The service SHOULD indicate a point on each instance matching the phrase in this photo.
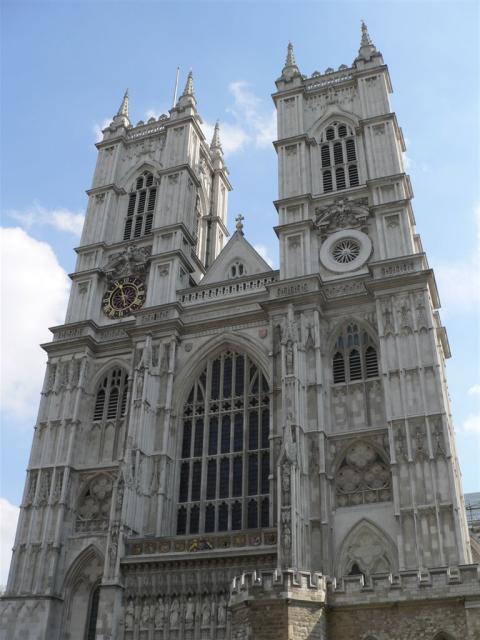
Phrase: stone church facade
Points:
(225, 451)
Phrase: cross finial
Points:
(239, 222)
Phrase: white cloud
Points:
(263, 251)
(472, 423)
(459, 281)
(475, 390)
(233, 137)
(98, 128)
(35, 292)
(8, 525)
(253, 122)
(60, 219)
(252, 111)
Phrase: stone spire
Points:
(123, 111)
(290, 70)
(188, 91)
(121, 119)
(187, 99)
(367, 48)
(290, 59)
(216, 143)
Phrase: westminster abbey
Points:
(229, 452)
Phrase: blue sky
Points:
(65, 66)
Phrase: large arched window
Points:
(355, 356)
(141, 207)
(225, 460)
(338, 157)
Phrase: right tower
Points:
(383, 478)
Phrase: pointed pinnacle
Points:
(216, 143)
(123, 111)
(188, 91)
(366, 39)
(290, 59)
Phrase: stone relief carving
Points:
(93, 511)
(132, 261)
(363, 476)
(44, 490)
(366, 552)
(32, 488)
(404, 314)
(387, 318)
(421, 312)
(342, 214)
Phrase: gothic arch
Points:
(226, 340)
(222, 452)
(333, 112)
(128, 180)
(369, 548)
(342, 323)
(82, 578)
(95, 380)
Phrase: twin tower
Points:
(227, 452)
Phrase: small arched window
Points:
(141, 207)
(237, 270)
(111, 398)
(338, 142)
(355, 356)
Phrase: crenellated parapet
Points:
(278, 604)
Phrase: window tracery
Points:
(108, 413)
(141, 207)
(225, 459)
(237, 270)
(363, 476)
(93, 509)
(338, 157)
(355, 356)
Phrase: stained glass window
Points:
(225, 446)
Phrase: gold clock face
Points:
(124, 296)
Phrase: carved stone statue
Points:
(222, 610)
(286, 530)
(159, 612)
(206, 611)
(286, 483)
(129, 615)
(190, 611)
(174, 612)
(145, 615)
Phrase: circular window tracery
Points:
(346, 250)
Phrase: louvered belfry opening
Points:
(141, 207)
(338, 145)
(355, 356)
(225, 457)
(111, 397)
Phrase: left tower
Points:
(156, 219)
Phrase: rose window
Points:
(346, 250)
